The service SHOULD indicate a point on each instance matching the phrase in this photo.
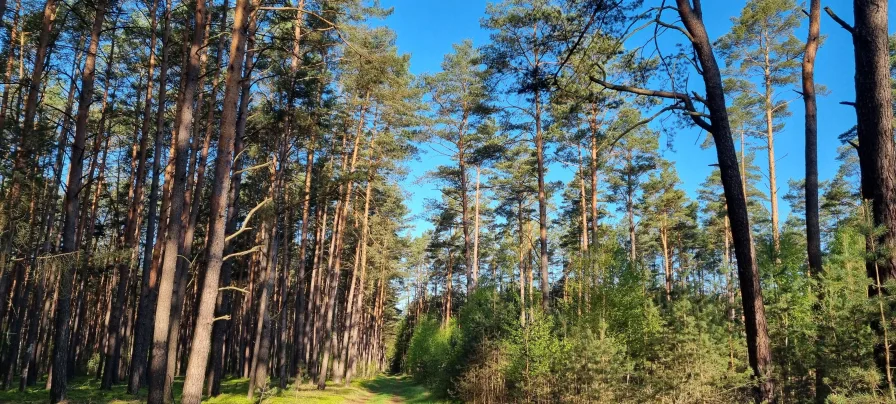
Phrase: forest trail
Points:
(380, 390)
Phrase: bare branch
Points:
(697, 117)
(840, 21)
(675, 27)
(234, 288)
(639, 124)
(253, 167)
(246, 220)
(237, 254)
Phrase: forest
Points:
(213, 201)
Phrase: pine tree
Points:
(763, 54)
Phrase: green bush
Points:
(429, 353)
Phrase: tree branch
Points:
(237, 254)
(684, 98)
(675, 27)
(246, 220)
(253, 167)
(639, 124)
(233, 288)
(840, 21)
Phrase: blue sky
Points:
(427, 29)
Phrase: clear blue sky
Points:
(426, 29)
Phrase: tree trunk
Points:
(594, 172)
(877, 153)
(335, 266)
(181, 140)
(223, 300)
(192, 392)
(356, 306)
(146, 309)
(476, 227)
(751, 292)
(73, 187)
(465, 207)
(542, 206)
(667, 264)
(522, 258)
(813, 228)
(770, 147)
(262, 347)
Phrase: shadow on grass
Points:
(382, 389)
(402, 388)
(80, 390)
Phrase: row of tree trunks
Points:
(155, 310)
(198, 360)
(73, 187)
(150, 279)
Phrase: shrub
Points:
(429, 352)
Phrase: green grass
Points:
(382, 389)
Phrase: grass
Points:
(381, 389)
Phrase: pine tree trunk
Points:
(813, 229)
(59, 385)
(476, 226)
(183, 121)
(751, 292)
(146, 309)
(877, 153)
(335, 267)
(465, 206)
(196, 367)
(223, 300)
(522, 264)
(356, 306)
(667, 264)
(770, 147)
(301, 337)
(594, 172)
(542, 206)
(262, 346)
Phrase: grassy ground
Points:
(382, 389)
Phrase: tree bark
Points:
(222, 301)
(192, 392)
(181, 141)
(476, 226)
(760, 357)
(150, 279)
(63, 305)
(877, 153)
(335, 267)
(542, 206)
(770, 147)
(813, 228)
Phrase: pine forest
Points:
(478, 201)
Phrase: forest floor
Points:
(382, 389)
